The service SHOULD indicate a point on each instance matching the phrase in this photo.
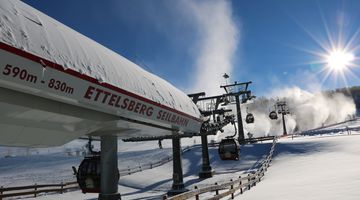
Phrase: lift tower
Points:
(283, 109)
(206, 170)
(236, 90)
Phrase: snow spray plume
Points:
(307, 111)
(219, 38)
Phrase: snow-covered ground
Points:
(306, 167)
(54, 165)
(148, 184)
(312, 168)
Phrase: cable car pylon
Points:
(236, 90)
(281, 108)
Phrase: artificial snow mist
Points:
(218, 41)
(307, 111)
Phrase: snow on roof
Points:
(30, 30)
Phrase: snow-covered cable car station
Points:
(57, 85)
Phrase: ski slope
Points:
(318, 168)
(306, 167)
(56, 167)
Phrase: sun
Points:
(339, 60)
(335, 50)
(339, 63)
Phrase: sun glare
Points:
(339, 60)
(336, 54)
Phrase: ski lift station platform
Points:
(57, 85)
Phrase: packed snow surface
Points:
(317, 168)
(55, 167)
(305, 167)
(30, 30)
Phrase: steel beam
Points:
(241, 136)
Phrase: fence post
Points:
(249, 182)
(266, 166)
(240, 185)
(217, 190)
(232, 187)
(1, 192)
(197, 195)
(129, 170)
(62, 187)
(35, 194)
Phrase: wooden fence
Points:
(35, 189)
(241, 184)
(133, 169)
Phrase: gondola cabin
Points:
(88, 174)
(249, 118)
(273, 115)
(229, 149)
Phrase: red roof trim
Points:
(74, 73)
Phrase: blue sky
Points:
(274, 43)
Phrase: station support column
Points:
(109, 169)
(178, 182)
(206, 170)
